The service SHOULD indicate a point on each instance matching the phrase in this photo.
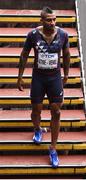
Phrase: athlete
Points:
(48, 42)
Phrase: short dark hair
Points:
(46, 10)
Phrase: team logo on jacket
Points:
(40, 47)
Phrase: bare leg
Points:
(36, 115)
(55, 123)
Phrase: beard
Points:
(49, 27)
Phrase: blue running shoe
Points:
(37, 138)
(53, 158)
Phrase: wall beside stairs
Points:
(36, 4)
(82, 19)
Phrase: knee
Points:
(55, 113)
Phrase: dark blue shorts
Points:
(50, 85)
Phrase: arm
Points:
(23, 59)
(66, 64)
(22, 64)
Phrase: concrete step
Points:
(20, 119)
(19, 34)
(27, 165)
(21, 142)
(31, 16)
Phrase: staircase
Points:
(19, 156)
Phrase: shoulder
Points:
(62, 31)
(32, 33)
(36, 30)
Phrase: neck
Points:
(48, 32)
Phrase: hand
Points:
(20, 84)
(65, 78)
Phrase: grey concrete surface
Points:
(82, 19)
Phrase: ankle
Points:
(37, 129)
(53, 148)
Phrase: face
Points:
(49, 21)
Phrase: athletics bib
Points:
(47, 60)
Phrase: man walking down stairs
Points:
(47, 41)
(19, 156)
